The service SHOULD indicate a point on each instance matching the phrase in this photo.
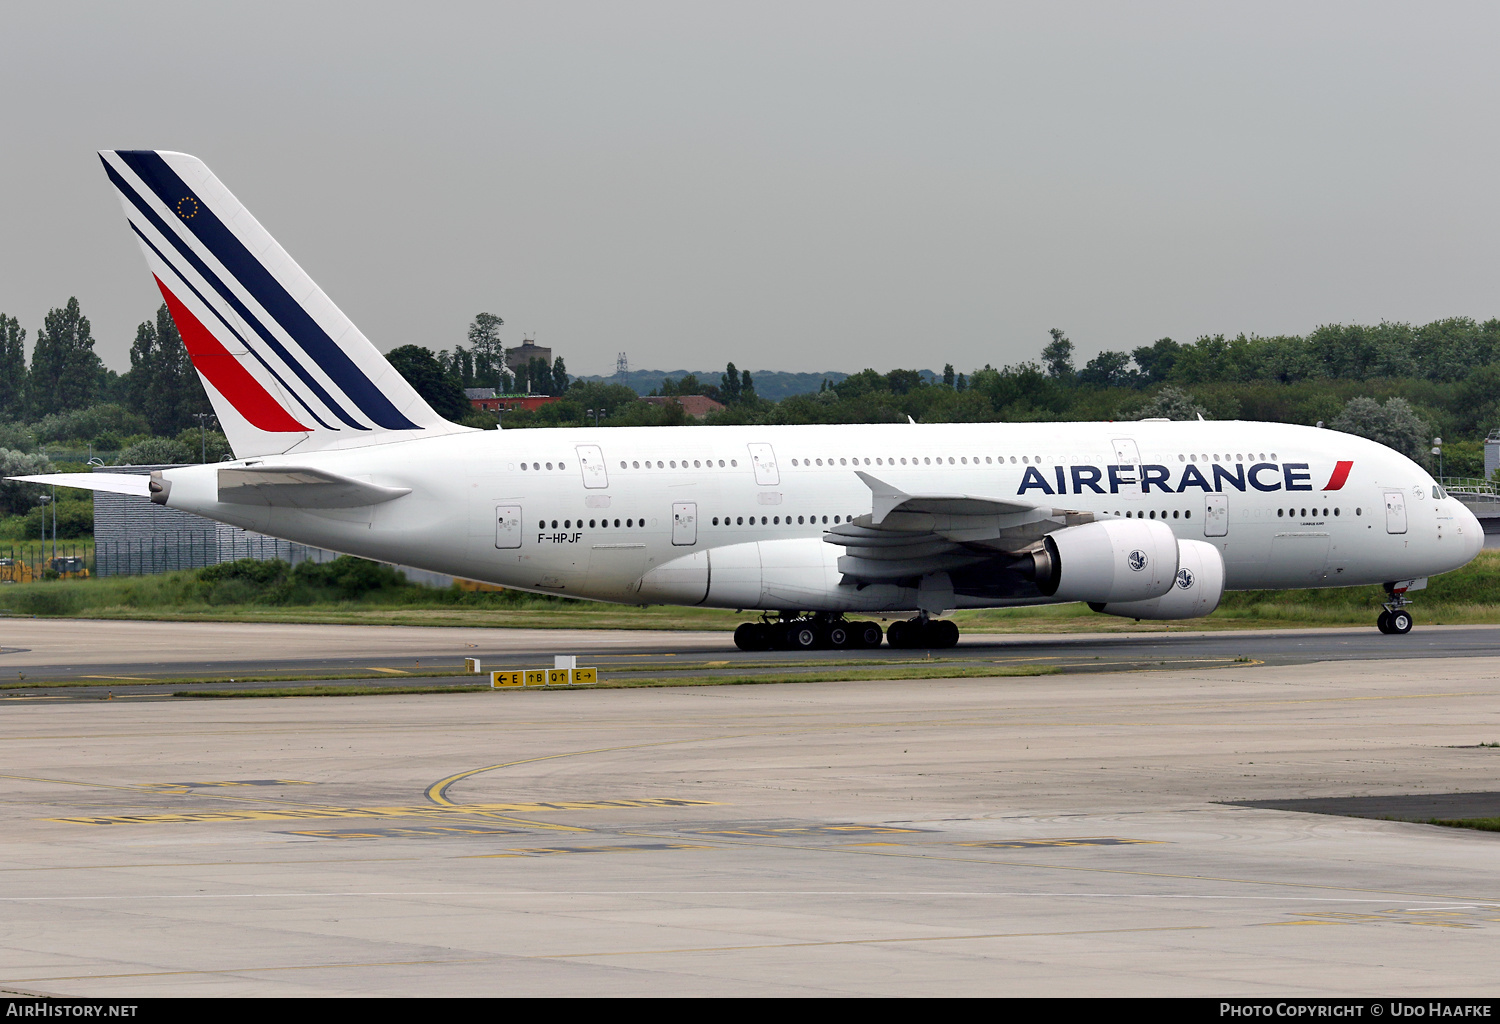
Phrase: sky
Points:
(792, 186)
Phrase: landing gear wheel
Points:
(801, 637)
(751, 636)
(1400, 621)
(942, 633)
(1383, 623)
(839, 635)
(868, 635)
(895, 634)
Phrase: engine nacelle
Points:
(1196, 592)
(800, 573)
(1107, 562)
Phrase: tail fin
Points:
(285, 369)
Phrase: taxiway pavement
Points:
(1077, 834)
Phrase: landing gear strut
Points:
(1395, 619)
(795, 631)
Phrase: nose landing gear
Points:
(1395, 619)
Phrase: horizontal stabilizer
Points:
(115, 483)
(299, 487)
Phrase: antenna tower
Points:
(622, 365)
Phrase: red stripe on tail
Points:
(226, 374)
(1340, 474)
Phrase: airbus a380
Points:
(817, 524)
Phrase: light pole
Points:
(44, 500)
(203, 418)
(1437, 449)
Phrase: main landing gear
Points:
(922, 632)
(1395, 619)
(795, 631)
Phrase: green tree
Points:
(15, 497)
(559, 376)
(1394, 424)
(747, 388)
(12, 368)
(157, 451)
(950, 379)
(1171, 403)
(65, 371)
(162, 384)
(487, 352)
(540, 376)
(729, 385)
(1057, 356)
(1108, 370)
(1155, 360)
(425, 374)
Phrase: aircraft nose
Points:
(1473, 533)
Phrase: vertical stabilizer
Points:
(285, 369)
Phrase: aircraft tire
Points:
(1401, 622)
(868, 635)
(801, 637)
(944, 633)
(750, 636)
(1383, 622)
(840, 634)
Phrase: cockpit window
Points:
(1438, 492)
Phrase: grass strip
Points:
(419, 674)
(924, 672)
(1483, 824)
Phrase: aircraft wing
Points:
(910, 535)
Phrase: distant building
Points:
(496, 401)
(696, 406)
(520, 357)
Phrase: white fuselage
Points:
(588, 512)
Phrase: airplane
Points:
(818, 525)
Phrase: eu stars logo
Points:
(187, 207)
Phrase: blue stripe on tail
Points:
(267, 291)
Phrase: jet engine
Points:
(1106, 562)
(1195, 592)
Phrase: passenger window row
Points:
(777, 520)
(1188, 514)
(603, 524)
(677, 464)
(1227, 458)
(926, 460)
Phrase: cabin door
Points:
(591, 462)
(1395, 512)
(1127, 454)
(684, 523)
(763, 458)
(1216, 516)
(507, 526)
